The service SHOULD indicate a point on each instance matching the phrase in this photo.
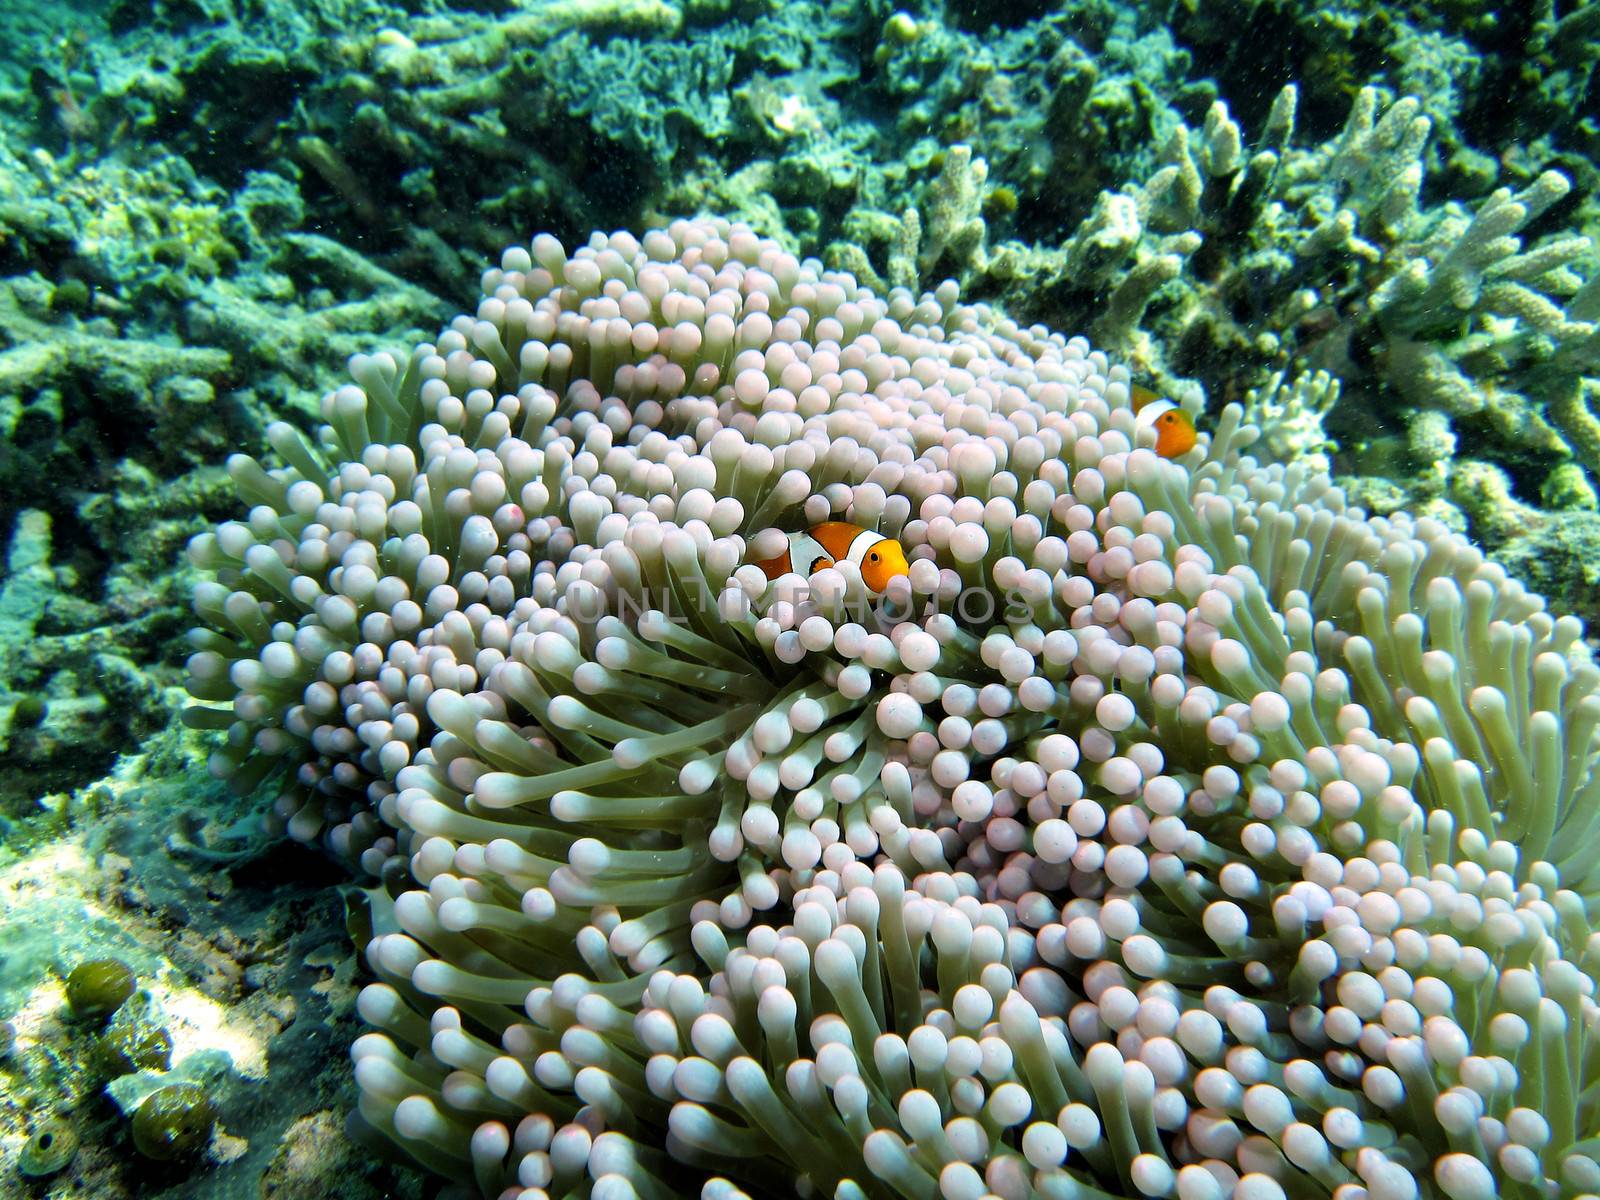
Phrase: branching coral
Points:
(1229, 263)
(1290, 414)
(1171, 828)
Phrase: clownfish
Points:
(1175, 431)
(879, 559)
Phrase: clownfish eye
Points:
(873, 557)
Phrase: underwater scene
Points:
(758, 600)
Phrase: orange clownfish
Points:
(1175, 431)
(879, 559)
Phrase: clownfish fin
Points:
(774, 568)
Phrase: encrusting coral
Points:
(1171, 828)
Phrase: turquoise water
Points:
(422, 688)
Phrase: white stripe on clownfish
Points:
(878, 558)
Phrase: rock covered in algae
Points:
(135, 1039)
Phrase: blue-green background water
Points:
(206, 206)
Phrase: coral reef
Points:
(113, 426)
(1525, 74)
(422, 139)
(245, 974)
(1169, 828)
(1227, 268)
(207, 208)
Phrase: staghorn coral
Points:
(1230, 264)
(1170, 828)
(132, 301)
(1489, 73)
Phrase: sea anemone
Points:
(1170, 828)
